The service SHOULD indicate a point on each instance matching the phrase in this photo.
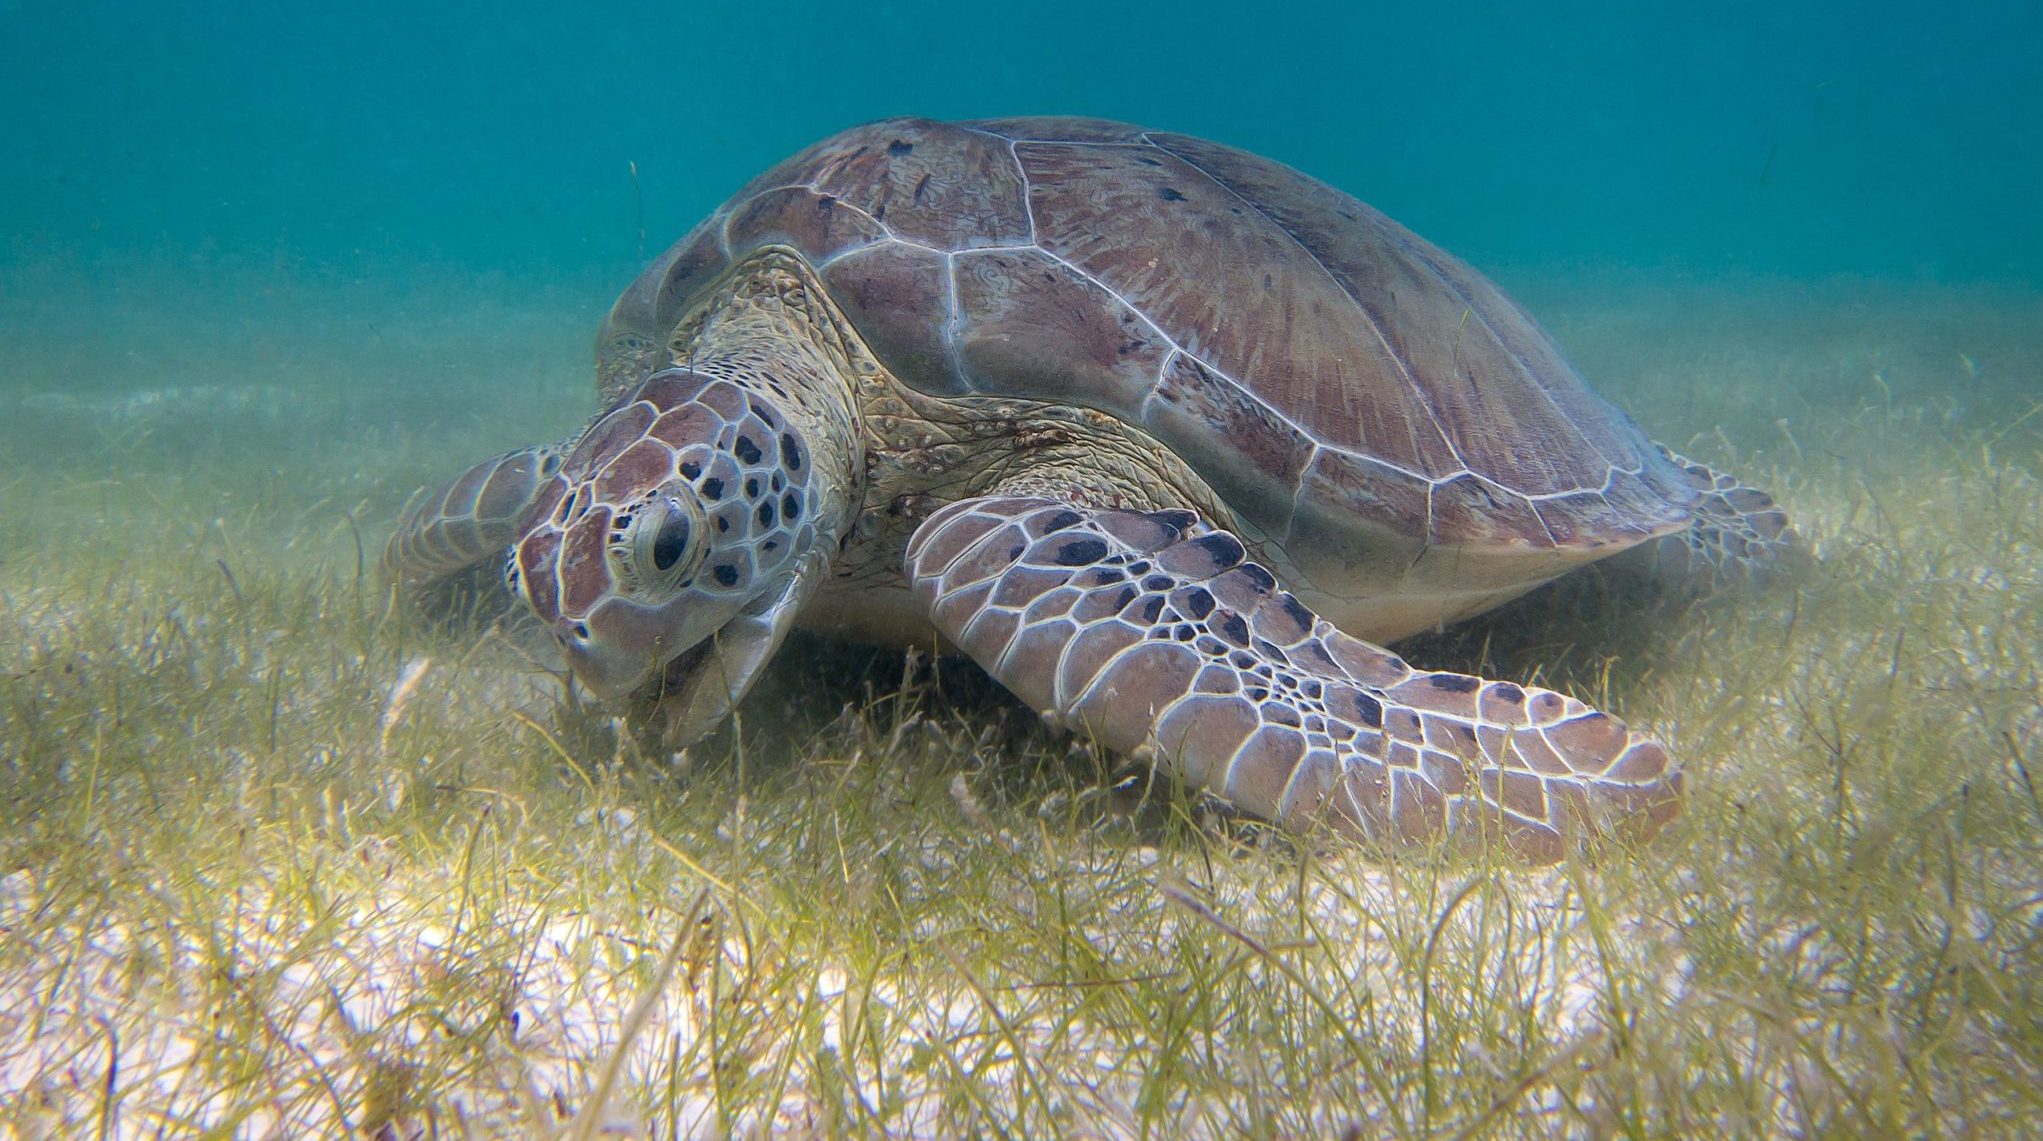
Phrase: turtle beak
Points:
(612, 672)
(701, 686)
(622, 645)
(623, 651)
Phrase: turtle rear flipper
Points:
(1736, 532)
(1154, 634)
(448, 550)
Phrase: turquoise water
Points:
(391, 229)
(265, 269)
(358, 142)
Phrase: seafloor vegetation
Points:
(274, 861)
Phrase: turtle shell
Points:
(1336, 378)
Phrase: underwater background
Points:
(266, 269)
(356, 144)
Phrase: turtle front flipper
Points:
(468, 524)
(1736, 531)
(1156, 635)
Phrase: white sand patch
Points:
(128, 1020)
(261, 400)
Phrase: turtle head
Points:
(679, 538)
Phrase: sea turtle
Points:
(1164, 435)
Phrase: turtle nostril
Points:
(581, 631)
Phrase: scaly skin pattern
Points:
(754, 431)
(1736, 529)
(1080, 584)
(1154, 634)
(469, 521)
(774, 432)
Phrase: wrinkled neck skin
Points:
(771, 330)
(756, 426)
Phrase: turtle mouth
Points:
(692, 692)
(615, 670)
(680, 680)
(683, 671)
(696, 689)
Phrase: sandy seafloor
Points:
(263, 423)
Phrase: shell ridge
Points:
(978, 129)
(1142, 408)
(1254, 398)
(731, 212)
(1427, 541)
(1165, 337)
(723, 227)
(1548, 527)
(878, 223)
(1612, 468)
(953, 314)
(1524, 366)
(1028, 187)
(1298, 493)
(1404, 368)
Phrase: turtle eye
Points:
(670, 540)
(656, 546)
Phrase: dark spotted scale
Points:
(1275, 710)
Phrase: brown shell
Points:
(1317, 363)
